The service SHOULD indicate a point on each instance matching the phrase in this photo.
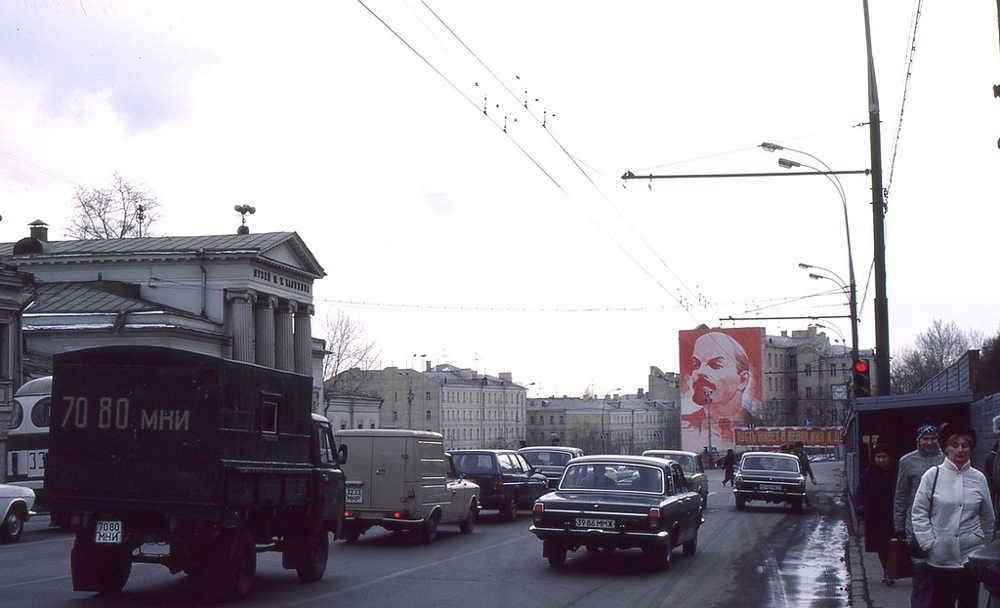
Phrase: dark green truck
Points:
(211, 459)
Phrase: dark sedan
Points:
(772, 477)
(550, 460)
(619, 502)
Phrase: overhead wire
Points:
(590, 181)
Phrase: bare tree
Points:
(121, 210)
(989, 366)
(349, 350)
(933, 351)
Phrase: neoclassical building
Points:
(471, 410)
(244, 296)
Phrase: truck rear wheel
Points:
(230, 572)
(105, 571)
(313, 562)
(113, 569)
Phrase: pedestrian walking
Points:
(912, 467)
(951, 517)
(876, 492)
(729, 466)
(799, 449)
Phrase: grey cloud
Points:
(141, 70)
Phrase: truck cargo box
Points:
(142, 425)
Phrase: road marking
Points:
(406, 572)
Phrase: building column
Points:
(264, 330)
(240, 303)
(303, 339)
(283, 337)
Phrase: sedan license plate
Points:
(108, 533)
(770, 486)
(586, 522)
(355, 495)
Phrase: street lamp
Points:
(604, 434)
(832, 177)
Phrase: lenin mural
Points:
(720, 385)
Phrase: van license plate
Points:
(108, 533)
(355, 495)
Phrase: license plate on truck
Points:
(355, 494)
(108, 533)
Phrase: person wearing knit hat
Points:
(876, 491)
(912, 467)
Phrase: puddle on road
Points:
(810, 573)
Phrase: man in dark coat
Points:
(876, 492)
(729, 466)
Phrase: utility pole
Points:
(878, 224)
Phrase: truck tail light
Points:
(497, 483)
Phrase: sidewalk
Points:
(866, 588)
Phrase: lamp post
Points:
(832, 177)
(604, 434)
(852, 302)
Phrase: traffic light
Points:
(862, 378)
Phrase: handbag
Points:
(898, 561)
(916, 552)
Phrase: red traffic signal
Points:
(862, 378)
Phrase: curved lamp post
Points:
(832, 177)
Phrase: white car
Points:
(16, 503)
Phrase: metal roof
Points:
(214, 246)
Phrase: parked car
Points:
(16, 503)
(402, 480)
(772, 477)
(694, 472)
(550, 460)
(506, 481)
(597, 507)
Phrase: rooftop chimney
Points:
(39, 230)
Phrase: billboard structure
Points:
(720, 386)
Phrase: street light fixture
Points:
(832, 177)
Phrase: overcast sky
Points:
(455, 165)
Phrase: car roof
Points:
(770, 454)
(481, 451)
(678, 452)
(616, 459)
(550, 448)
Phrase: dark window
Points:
(40, 412)
(269, 415)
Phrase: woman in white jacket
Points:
(952, 517)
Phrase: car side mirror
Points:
(342, 453)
